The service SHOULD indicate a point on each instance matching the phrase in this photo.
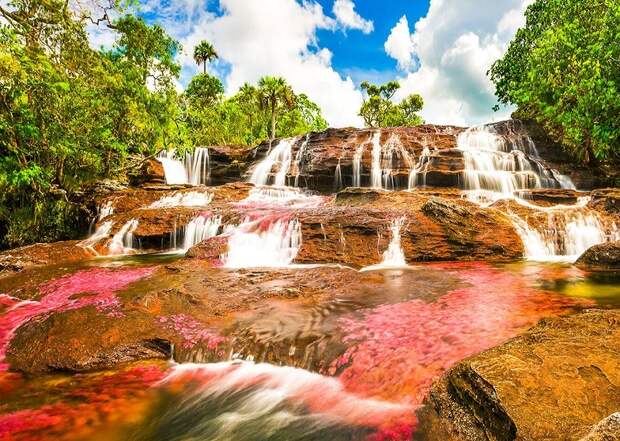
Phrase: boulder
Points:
(608, 429)
(601, 256)
(552, 383)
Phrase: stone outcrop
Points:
(601, 256)
(40, 254)
(552, 383)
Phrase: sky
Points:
(440, 49)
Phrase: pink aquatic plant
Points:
(98, 287)
(192, 331)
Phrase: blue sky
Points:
(440, 49)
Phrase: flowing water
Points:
(193, 170)
(383, 340)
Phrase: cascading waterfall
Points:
(501, 166)
(198, 166)
(564, 235)
(357, 166)
(174, 170)
(394, 256)
(299, 158)
(263, 243)
(376, 172)
(497, 167)
(101, 233)
(194, 170)
(417, 175)
(122, 241)
(338, 177)
(281, 197)
(281, 157)
(199, 229)
(189, 199)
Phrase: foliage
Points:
(378, 109)
(562, 70)
(204, 53)
(71, 115)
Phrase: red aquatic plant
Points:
(100, 285)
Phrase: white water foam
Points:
(188, 199)
(101, 233)
(290, 197)
(254, 244)
(199, 229)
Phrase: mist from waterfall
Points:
(263, 243)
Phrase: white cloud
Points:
(277, 37)
(455, 45)
(399, 45)
(344, 11)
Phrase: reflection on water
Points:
(371, 353)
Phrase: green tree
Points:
(275, 96)
(378, 109)
(204, 90)
(562, 70)
(204, 52)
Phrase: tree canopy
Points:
(71, 114)
(378, 109)
(563, 70)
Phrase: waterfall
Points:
(105, 210)
(195, 170)
(394, 256)
(198, 166)
(357, 166)
(101, 232)
(189, 199)
(376, 173)
(496, 166)
(199, 229)
(299, 158)
(254, 244)
(420, 170)
(174, 170)
(338, 177)
(564, 235)
(122, 241)
(280, 156)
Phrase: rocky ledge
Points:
(601, 256)
(555, 382)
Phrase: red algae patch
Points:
(396, 351)
(63, 294)
(85, 402)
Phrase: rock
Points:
(553, 382)
(39, 254)
(601, 256)
(152, 171)
(607, 429)
(58, 342)
(607, 199)
(551, 196)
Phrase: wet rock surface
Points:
(601, 256)
(39, 254)
(555, 381)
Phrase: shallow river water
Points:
(370, 352)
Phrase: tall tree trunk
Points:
(204, 66)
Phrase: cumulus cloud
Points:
(455, 44)
(348, 18)
(277, 37)
(399, 45)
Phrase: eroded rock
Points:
(601, 256)
(553, 382)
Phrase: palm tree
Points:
(248, 99)
(203, 53)
(275, 95)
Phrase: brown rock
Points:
(601, 256)
(552, 383)
(38, 254)
(607, 429)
